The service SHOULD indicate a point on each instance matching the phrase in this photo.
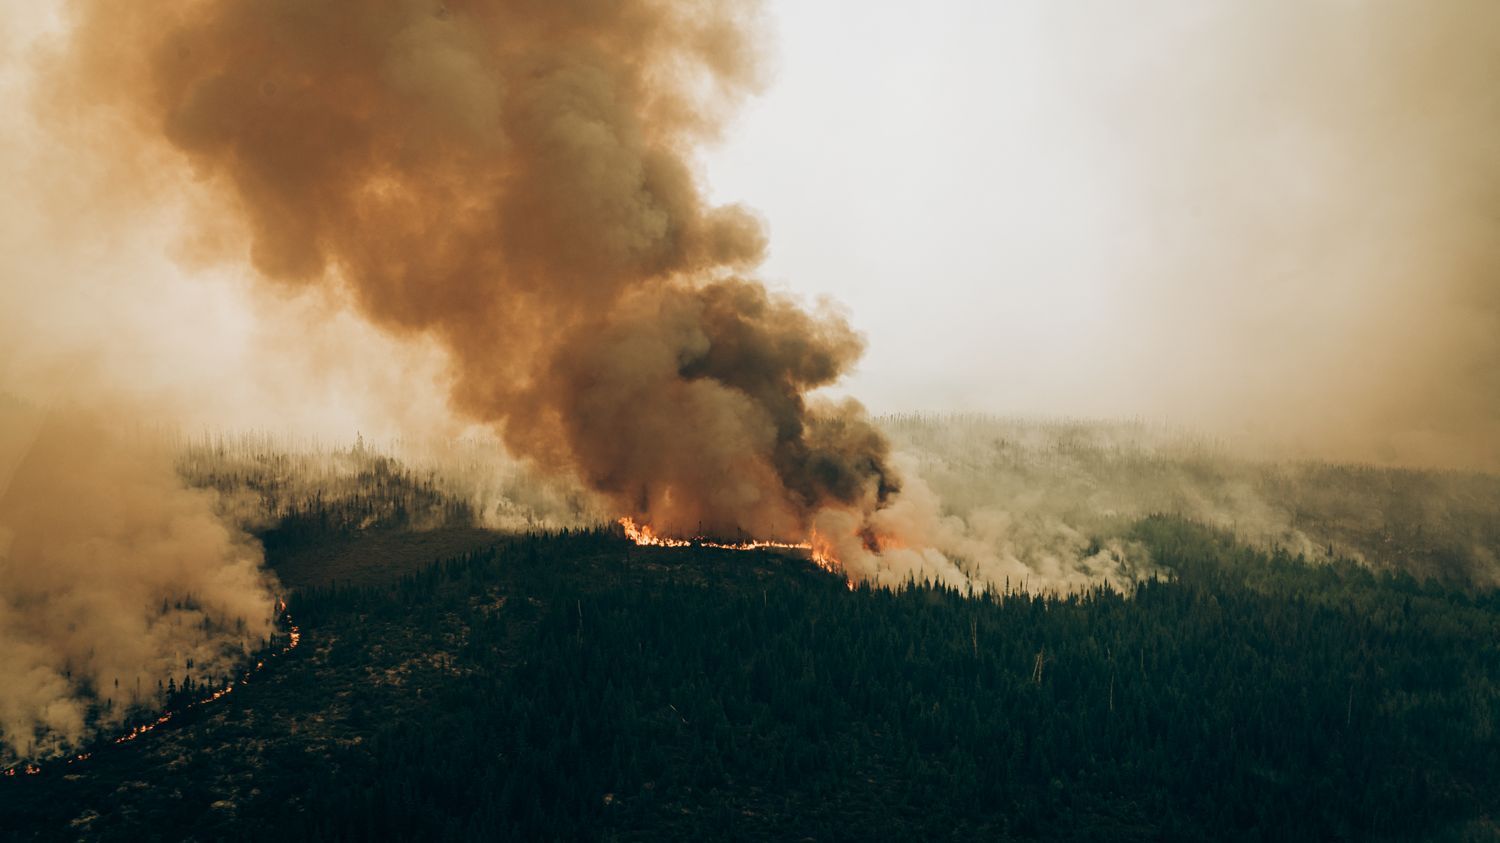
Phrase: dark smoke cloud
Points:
(514, 179)
(689, 404)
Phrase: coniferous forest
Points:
(574, 686)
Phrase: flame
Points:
(817, 549)
(644, 536)
(821, 552)
(294, 637)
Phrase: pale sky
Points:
(1215, 212)
(922, 170)
(1272, 218)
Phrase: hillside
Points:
(577, 686)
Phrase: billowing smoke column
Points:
(513, 178)
(687, 405)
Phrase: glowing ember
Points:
(644, 536)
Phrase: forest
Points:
(571, 685)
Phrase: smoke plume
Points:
(113, 577)
(513, 180)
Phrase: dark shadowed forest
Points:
(461, 683)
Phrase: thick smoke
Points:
(113, 577)
(688, 406)
(513, 180)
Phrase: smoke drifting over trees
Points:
(113, 577)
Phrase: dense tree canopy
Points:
(575, 686)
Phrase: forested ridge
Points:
(574, 686)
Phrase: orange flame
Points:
(294, 637)
(818, 550)
(644, 536)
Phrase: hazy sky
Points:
(1275, 216)
(919, 169)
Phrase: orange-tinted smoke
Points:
(514, 178)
